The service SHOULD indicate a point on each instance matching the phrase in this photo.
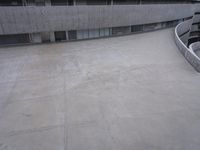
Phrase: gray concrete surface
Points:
(195, 47)
(133, 92)
(188, 53)
(30, 19)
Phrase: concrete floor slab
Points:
(30, 115)
(124, 93)
(31, 89)
(44, 139)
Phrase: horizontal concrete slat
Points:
(29, 19)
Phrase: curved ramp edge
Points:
(181, 36)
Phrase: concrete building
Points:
(41, 21)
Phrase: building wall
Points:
(33, 19)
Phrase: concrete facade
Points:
(33, 19)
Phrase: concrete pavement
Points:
(133, 92)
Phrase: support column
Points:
(47, 2)
(35, 38)
(24, 3)
(67, 37)
(30, 3)
(74, 2)
(111, 3)
(52, 37)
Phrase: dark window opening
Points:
(14, 39)
(136, 28)
(164, 2)
(60, 36)
(195, 33)
(70, 2)
(40, 2)
(193, 40)
(93, 2)
(11, 3)
(121, 30)
(125, 2)
(152, 26)
(59, 2)
(72, 35)
(171, 23)
(97, 2)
